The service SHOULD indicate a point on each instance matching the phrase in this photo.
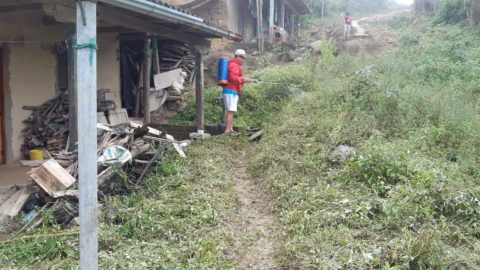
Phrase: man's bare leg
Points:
(229, 122)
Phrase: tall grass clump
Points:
(258, 103)
(408, 197)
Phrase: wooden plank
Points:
(14, 204)
(7, 206)
(122, 19)
(21, 200)
(7, 192)
(256, 135)
(17, 8)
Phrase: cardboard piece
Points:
(52, 177)
(166, 79)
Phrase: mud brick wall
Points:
(216, 12)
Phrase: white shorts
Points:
(230, 99)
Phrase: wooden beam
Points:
(115, 29)
(16, 8)
(282, 14)
(140, 36)
(121, 19)
(271, 23)
(260, 26)
(199, 91)
(292, 24)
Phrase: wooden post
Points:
(292, 24)
(138, 100)
(270, 21)
(282, 14)
(72, 89)
(87, 138)
(147, 65)
(156, 60)
(260, 25)
(199, 90)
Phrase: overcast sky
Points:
(404, 2)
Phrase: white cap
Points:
(240, 52)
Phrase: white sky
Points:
(404, 2)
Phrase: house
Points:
(241, 16)
(37, 57)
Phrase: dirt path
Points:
(257, 241)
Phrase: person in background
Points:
(348, 25)
(233, 89)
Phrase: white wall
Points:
(31, 69)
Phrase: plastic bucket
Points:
(36, 154)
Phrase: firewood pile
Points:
(48, 129)
(177, 55)
(47, 126)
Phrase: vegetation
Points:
(408, 198)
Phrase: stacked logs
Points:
(177, 55)
(47, 126)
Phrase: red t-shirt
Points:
(348, 20)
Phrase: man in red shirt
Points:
(233, 89)
(348, 25)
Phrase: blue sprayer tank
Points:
(223, 71)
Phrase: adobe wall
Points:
(233, 15)
(31, 69)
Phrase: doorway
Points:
(3, 150)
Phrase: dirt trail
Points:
(254, 225)
(258, 237)
(368, 38)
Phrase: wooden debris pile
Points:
(126, 152)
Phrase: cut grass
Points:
(175, 220)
